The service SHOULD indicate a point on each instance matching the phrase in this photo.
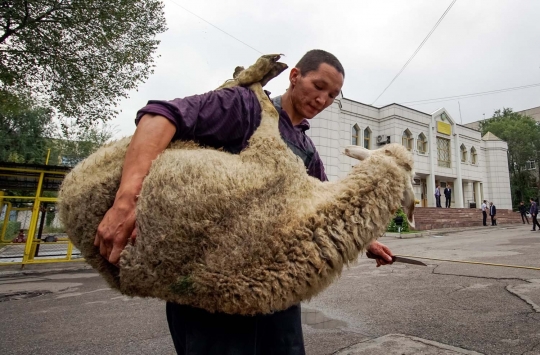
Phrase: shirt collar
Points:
(303, 126)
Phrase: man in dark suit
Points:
(534, 214)
(448, 195)
(493, 213)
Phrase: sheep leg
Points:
(269, 127)
(264, 69)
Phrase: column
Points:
(430, 181)
(458, 182)
(478, 194)
(457, 185)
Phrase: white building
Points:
(444, 152)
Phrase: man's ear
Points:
(293, 75)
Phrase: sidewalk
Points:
(35, 269)
(427, 233)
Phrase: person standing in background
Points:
(493, 213)
(438, 195)
(484, 213)
(534, 214)
(522, 211)
(448, 195)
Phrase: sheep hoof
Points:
(259, 70)
(277, 69)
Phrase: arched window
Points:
(367, 138)
(407, 139)
(463, 153)
(421, 143)
(474, 156)
(355, 132)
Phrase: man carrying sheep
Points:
(226, 119)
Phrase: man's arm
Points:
(215, 119)
(151, 137)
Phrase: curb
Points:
(427, 233)
(42, 269)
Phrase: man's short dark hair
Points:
(315, 57)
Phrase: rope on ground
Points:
(471, 262)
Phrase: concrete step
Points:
(439, 218)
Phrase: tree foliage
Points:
(522, 133)
(83, 56)
(23, 126)
(28, 133)
(76, 144)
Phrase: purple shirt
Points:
(226, 119)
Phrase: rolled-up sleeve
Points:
(218, 118)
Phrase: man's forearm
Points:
(151, 137)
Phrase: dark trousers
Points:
(484, 218)
(197, 332)
(535, 222)
(438, 200)
(493, 220)
(448, 202)
(524, 218)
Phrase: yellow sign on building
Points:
(444, 128)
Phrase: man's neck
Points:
(286, 104)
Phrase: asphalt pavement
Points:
(442, 308)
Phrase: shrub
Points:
(392, 227)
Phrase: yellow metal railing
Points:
(30, 255)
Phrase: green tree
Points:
(78, 143)
(24, 127)
(83, 56)
(28, 132)
(522, 133)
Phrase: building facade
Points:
(444, 152)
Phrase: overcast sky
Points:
(481, 45)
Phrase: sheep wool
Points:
(242, 234)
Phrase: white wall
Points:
(331, 131)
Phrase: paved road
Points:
(444, 308)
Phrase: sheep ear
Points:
(357, 152)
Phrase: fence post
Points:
(28, 255)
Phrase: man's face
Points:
(316, 90)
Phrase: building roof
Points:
(20, 176)
(490, 137)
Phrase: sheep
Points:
(246, 234)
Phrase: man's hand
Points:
(382, 251)
(116, 228)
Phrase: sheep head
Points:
(404, 161)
